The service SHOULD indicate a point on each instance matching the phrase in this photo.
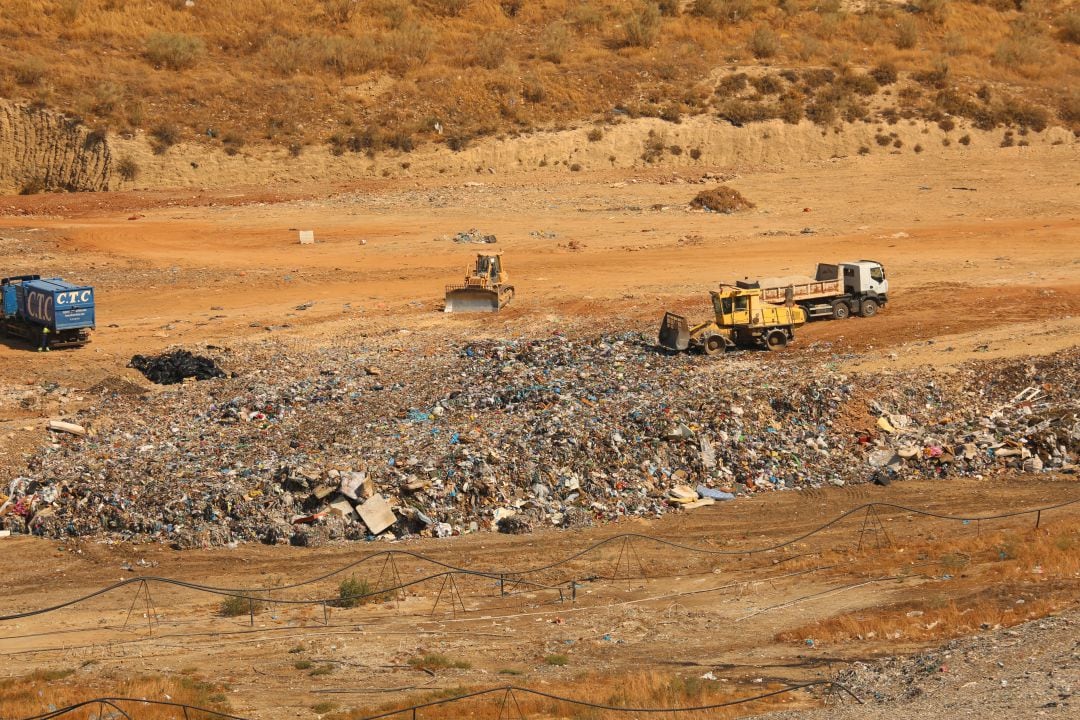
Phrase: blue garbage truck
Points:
(32, 304)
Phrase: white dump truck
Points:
(835, 291)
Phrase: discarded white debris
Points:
(66, 427)
(307, 237)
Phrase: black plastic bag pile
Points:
(174, 367)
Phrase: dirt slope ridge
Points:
(41, 149)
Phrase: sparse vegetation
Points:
(642, 26)
(557, 660)
(353, 592)
(127, 169)
(764, 43)
(174, 51)
(409, 56)
(235, 606)
(29, 71)
(435, 661)
(907, 33)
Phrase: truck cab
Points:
(865, 278)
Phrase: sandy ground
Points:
(983, 261)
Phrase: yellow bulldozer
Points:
(486, 288)
(743, 320)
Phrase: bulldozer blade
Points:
(472, 301)
(674, 332)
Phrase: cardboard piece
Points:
(376, 514)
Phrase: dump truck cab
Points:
(865, 278)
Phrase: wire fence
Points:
(506, 695)
(511, 580)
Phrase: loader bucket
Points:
(472, 300)
(674, 332)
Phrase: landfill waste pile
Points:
(472, 236)
(175, 367)
(306, 445)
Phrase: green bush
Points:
(353, 592)
(234, 606)
(174, 50)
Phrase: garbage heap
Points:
(306, 446)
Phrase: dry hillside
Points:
(368, 76)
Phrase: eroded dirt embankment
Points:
(44, 150)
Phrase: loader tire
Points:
(869, 308)
(776, 340)
(713, 344)
(841, 310)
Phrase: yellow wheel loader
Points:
(486, 287)
(743, 320)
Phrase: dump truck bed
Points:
(827, 283)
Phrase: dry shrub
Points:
(554, 42)
(445, 8)
(408, 46)
(790, 109)
(127, 169)
(396, 12)
(490, 50)
(907, 33)
(340, 11)
(768, 84)
(30, 71)
(721, 199)
(884, 73)
(174, 51)
(1069, 27)
(164, 137)
(739, 112)
(816, 77)
(641, 27)
(587, 17)
(669, 8)
(763, 43)
(935, 10)
(724, 11)
(1069, 108)
(732, 85)
(33, 186)
(859, 84)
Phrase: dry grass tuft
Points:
(997, 579)
(638, 690)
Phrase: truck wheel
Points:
(776, 340)
(713, 344)
(869, 308)
(840, 310)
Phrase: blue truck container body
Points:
(32, 304)
(56, 304)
